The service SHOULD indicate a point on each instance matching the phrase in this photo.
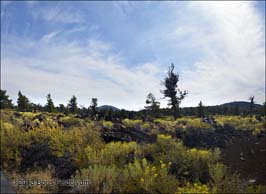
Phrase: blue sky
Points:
(120, 51)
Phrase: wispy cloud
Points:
(47, 37)
(57, 12)
(233, 64)
(89, 70)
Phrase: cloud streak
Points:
(233, 64)
(70, 68)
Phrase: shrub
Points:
(97, 179)
(11, 139)
(193, 189)
(191, 122)
(222, 181)
(114, 153)
(242, 123)
(252, 189)
(187, 164)
(132, 123)
(143, 178)
(107, 124)
(70, 121)
(145, 126)
(38, 182)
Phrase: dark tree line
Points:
(152, 108)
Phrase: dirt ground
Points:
(246, 155)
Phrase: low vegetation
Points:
(182, 159)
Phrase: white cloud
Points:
(56, 12)
(69, 68)
(232, 41)
(48, 37)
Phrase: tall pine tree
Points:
(200, 110)
(5, 102)
(173, 92)
(152, 105)
(93, 107)
(73, 105)
(50, 104)
(23, 102)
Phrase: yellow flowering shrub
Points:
(145, 126)
(107, 124)
(11, 138)
(243, 123)
(143, 177)
(222, 181)
(97, 179)
(29, 115)
(193, 189)
(131, 123)
(192, 122)
(113, 153)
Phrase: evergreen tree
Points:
(73, 105)
(225, 110)
(251, 105)
(123, 114)
(93, 107)
(50, 104)
(200, 110)
(61, 108)
(23, 102)
(37, 107)
(236, 110)
(109, 114)
(83, 111)
(152, 104)
(171, 90)
(5, 102)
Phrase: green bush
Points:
(69, 121)
(222, 181)
(193, 189)
(107, 124)
(97, 179)
(140, 177)
(11, 139)
(132, 123)
(114, 153)
(243, 123)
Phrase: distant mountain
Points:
(107, 107)
(240, 104)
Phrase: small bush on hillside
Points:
(144, 178)
(193, 189)
(70, 121)
(132, 123)
(107, 124)
(97, 179)
(114, 153)
(11, 139)
(222, 181)
(36, 181)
